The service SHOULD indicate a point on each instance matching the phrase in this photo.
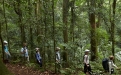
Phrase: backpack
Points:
(105, 64)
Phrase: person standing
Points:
(6, 52)
(38, 57)
(111, 65)
(24, 52)
(87, 67)
(57, 55)
(58, 65)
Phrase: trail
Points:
(18, 69)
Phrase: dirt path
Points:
(23, 70)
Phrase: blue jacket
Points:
(38, 57)
(6, 50)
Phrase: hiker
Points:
(87, 67)
(58, 65)
(111, 65)
(57, 55)
(6, 52)
(38, 57)
(24, 52)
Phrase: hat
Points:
(57, 48)
(5, 42)
(36, 49)
(87, 50)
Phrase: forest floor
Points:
(18, 69)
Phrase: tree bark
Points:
(38, 15)
(53, 22)
(1, 39)
(72, 20)
(113, 26)
(65, 28)
(30, 28)
(93, 41)
(6, 24)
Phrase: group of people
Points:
(87, 67)
(25, 54)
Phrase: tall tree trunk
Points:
(1, 39)
(45, 30)
(38, 16)
(113, 26)
(6, 24)
(5, 19)
(72, 20)
(45, 37)
(93, 42)
(30, 28)
(65, 29)
(53, 22)
(72, 5)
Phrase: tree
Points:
(91, 5)
(30, 27)
(112, 20)
(65, 26)
(53, 23)
(72, 20)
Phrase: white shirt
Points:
(111, 65)
(86, 59)
(24, 50)
(58, 56)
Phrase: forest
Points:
(71, 25)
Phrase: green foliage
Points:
(34, 66)
(63, 72)
(71, 71)
(102, 36)
(67, 71)
(81, 73)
